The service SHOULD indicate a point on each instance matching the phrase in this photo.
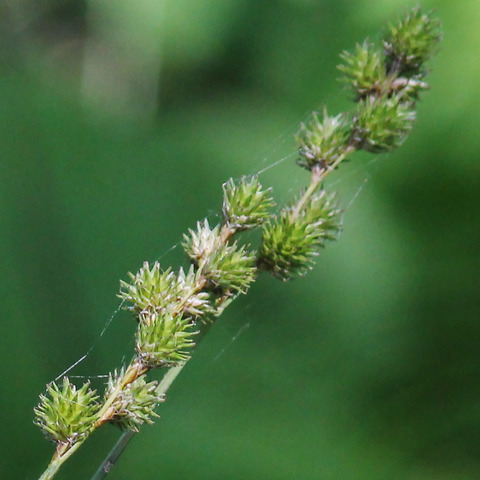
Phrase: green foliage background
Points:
(367, 368)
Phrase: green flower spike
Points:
(163, 340)
(171, 308)
(321, 143)
(152, 289)
(411, 42)
(66, 414)
(226, 267)
(232, 268)
(201, 244)
(245, 205)
(364, 70)
(135, 404)
(382, 124)
(290, 242)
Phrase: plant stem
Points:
(123, 441)
(58, 460)
(161, 389)
(315, 180)
(319, 173)
(114, 455)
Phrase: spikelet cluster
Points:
(65, 414)
(291, 241)
(171, 307)
(135, 404)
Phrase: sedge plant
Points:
(173, 309)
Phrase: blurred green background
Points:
(120, 120)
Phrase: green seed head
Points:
(321, 142)
(66, 414)
(412, 41)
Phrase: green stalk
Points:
(59, 459)
(319, 173)
(123, 441)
